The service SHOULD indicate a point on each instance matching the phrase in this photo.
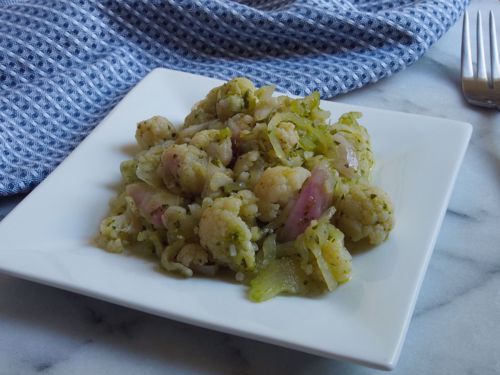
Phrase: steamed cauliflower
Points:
(255, 183)
(128, 171)
(218, 178)
(266, 102)
(204, 110)
(181, 223)
(216, 143)
(154, 131)
(224, 233)
(249, 209)
(240, 122)
(248, 168)
(323, 253)
(236, 96)
(184, 168)
(276, 187)
(120, 228)
(287, 135)
(365, 212)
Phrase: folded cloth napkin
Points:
(65, 64)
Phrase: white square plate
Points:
(47, 238)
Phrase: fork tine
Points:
(495, 65)
(481, 64)
(467, 71)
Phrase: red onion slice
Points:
(313, 200)
(149, 205)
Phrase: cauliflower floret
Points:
(284, 139)
(240, 122)
(323, 253)
(353, 138)
(287, 136)
(127, 170)
(216, 143)
(184, 169)
(276, 187)
(114, 233)
(365, 212)
(238, 95)
(204, 110)
(248, 168)
(181, 224)
(225, 235)
(154, 131)
(217, 178)
(144, 166)
(249, 209)
(120, 228)
(266, 103)
(187, 132)
(182, 227)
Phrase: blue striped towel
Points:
(65, 64)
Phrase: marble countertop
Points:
(455, 327)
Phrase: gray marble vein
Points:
(471, 275)
(455, 328)
(462, 215)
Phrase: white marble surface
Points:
(455, 328)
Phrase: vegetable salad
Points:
(254, 183)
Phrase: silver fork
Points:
(475, 86)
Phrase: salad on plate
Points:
(257, 184)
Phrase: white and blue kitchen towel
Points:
(65, 64)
